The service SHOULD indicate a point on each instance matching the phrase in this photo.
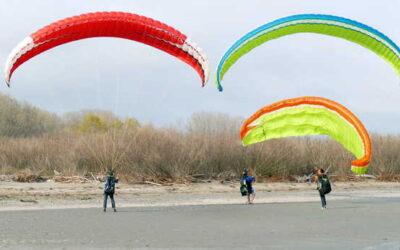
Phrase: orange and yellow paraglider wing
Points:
(310, 116)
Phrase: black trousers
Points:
(105, 200)
(323, 200)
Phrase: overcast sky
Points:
(133, 79)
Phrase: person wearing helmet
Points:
(249, 180)
(109, 190)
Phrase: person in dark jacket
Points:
(323, 186)
(109, 190)
(249, 184)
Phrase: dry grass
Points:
(37, 143)
(165, 155)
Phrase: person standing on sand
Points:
(249, 183)
(109, 190)
(323, 186)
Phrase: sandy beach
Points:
(56, 195)
(361, 215)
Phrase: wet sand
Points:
(356, 222)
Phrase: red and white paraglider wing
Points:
(109, 24)
(13, 58)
